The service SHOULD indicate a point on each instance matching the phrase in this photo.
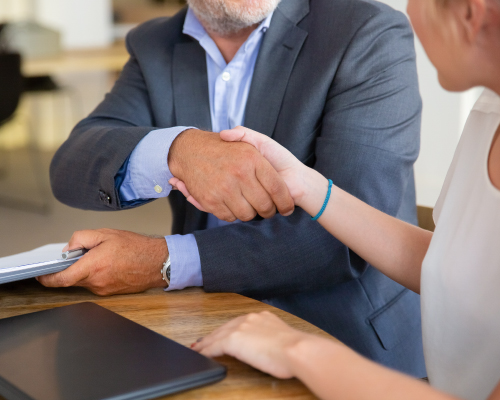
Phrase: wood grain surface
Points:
(183, 316)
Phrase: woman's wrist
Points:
(314, 188)
(299, 354)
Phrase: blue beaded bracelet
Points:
(330, 183)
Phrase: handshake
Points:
(249, 174)
(236, 174)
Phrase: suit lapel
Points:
(190, 86)
(278, 53)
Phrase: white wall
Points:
(15, 10)
(443, 118)
(83, 23)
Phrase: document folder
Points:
(42, 261)
(32, 270)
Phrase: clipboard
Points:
(41, 261)
(13, 274)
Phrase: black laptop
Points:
(85, 352)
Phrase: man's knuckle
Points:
(77, 235)
(240, 172)
(61, 281)
(266, 207)
(229, 217)
(210, 202)
(225, 188)
(275, 189)
(248, 216)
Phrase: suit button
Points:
(104, 197)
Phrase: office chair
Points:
(10, 92)
(11, 89)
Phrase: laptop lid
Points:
(84, 352)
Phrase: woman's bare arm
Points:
(330, 369)
(394, 247)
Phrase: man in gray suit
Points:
(334, 81)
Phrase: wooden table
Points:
(183, 316)
(111, 58)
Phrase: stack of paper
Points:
(41, 261)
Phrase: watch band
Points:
(165, 271)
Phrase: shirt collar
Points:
(194, 28)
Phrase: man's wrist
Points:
(177, 151)
(161, 255)
(165, 271)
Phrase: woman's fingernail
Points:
(194, 344)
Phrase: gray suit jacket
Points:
(335, 83)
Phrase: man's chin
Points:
(228, 17)
(223, 28)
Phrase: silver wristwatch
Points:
(165, 271)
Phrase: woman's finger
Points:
(181, 187)
(242, 134)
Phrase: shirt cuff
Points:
(147, 174)
(185, 263)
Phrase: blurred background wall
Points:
(87, 23)
(94, 29)
(443, 119)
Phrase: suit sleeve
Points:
(368, 144)
(83, 170)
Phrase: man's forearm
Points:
(147, 172)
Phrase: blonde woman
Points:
(456, 269)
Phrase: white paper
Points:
(49, 252)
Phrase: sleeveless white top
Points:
(460, 286)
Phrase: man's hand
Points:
(293, 172)
(230, 180)
(117, 262)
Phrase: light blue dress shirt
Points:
(146, 174)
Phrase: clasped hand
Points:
(230, 180)
(236, 181)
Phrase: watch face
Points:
(168, 272)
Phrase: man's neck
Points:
(229, 45)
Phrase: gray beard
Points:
(225, 18)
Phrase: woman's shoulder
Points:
(489, 101)
(494, 160)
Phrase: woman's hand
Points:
(262, 340)
(285, 163)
